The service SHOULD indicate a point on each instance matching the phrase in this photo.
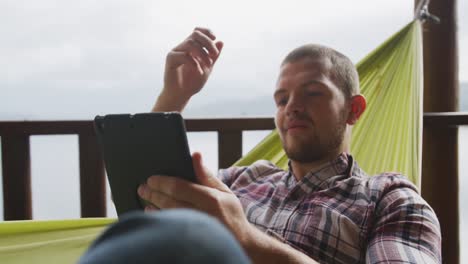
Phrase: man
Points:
(324, 208)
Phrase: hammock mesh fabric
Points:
(387, 138)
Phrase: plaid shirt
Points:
(338, 214)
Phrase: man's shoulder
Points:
(399, 205)
(380, 183)
(387, 181)
(394, 192)
(385, 186)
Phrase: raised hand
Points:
(188, 67)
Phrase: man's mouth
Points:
(296, 126)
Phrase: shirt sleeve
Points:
(229, 175)
(406, 230)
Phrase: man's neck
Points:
(300, 169)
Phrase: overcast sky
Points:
(63, 59)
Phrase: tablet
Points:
(135, 147)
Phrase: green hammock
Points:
(56, 241)
(387, 138)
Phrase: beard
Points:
(317, 146)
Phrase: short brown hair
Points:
(344, 71)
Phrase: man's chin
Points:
(304, 153)
(299, 137)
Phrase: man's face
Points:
(311, 110)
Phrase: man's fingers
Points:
(204, 176)
(206, 43)
(160, 199)
(177, 58)
(204, 40)
(164, 201)
(151, 208)
(176, 188)
(206, 31)
(194, 48)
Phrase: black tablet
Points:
(137, 146)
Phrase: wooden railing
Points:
(16, 161)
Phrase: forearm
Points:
(262, 248)
(168, 102)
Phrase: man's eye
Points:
(281, 102)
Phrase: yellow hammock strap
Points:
(388, 135)
(386, 138)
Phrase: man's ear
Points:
(358, 105)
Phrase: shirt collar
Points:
(324, 177)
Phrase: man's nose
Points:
(295, 104)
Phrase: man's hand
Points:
(188, 67)
(210, 195)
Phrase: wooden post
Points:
(229, 148)
(16, 163)
(440, 144)
(92, 177)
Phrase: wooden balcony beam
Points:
(16, 164)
